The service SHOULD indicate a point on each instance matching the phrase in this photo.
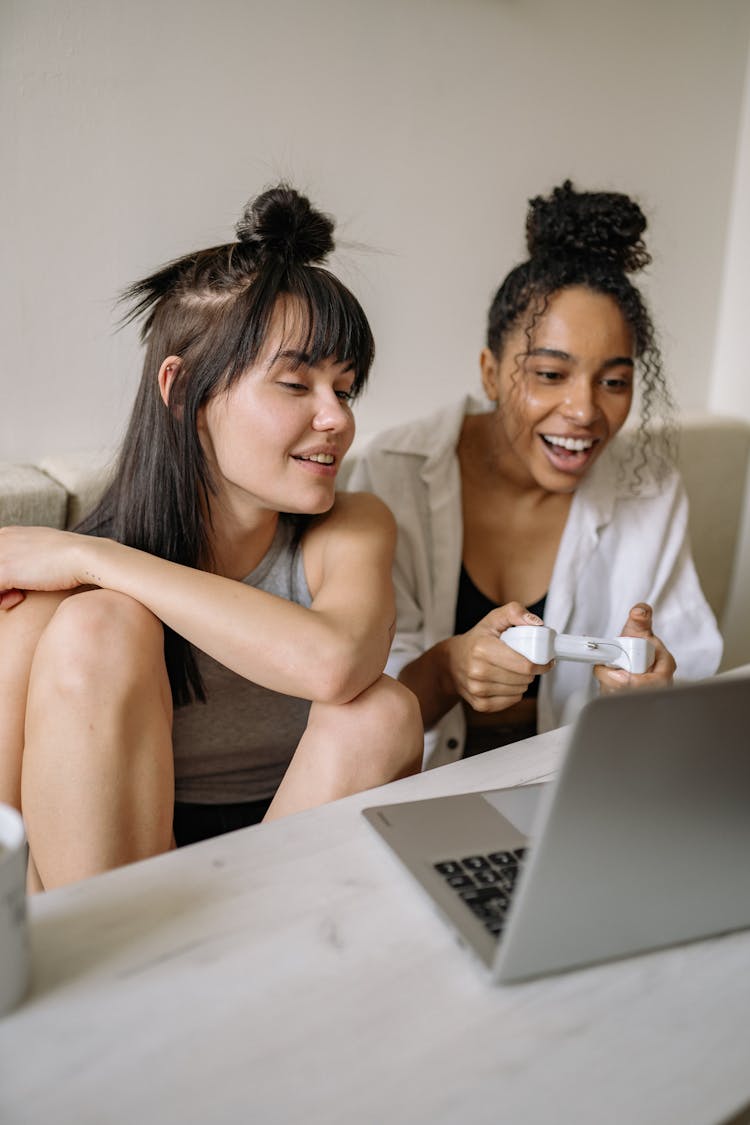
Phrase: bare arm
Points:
(329, 653)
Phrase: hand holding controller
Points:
(540, 644)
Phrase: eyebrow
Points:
(556, 353)
(299, 359)
(304, 359)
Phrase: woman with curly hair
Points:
(534, 510)
(207, 649)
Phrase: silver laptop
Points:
(641, 841)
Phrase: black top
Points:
(472, 605)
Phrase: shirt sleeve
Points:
(378, 472)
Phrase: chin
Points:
(559, 483)
(316, 507)
(569, 486)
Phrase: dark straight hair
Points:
(214, 309)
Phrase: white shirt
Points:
(619, 546)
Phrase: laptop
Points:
(641, 841)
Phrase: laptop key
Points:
(474, 862)
(449, 867)
(488, 889)
(489, 911)
(469, 894)
(460, 881)
(507, 881)
(478, 894)
(488, 876)
(502, 859)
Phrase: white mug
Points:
(14, 936)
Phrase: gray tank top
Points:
(237, 745)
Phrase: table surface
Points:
(293, 972)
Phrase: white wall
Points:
(134, 131)
(730, 391)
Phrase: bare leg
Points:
(20, 630)
(376, 738)
(98, 774)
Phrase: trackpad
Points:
(519, 805)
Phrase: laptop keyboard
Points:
(485, 883)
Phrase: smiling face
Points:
(276, 438)
(564, 395)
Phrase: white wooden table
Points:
(292, 973)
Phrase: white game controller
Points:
(540, 644)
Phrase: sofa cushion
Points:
(83, 476)
(29, 496)
(714, 455)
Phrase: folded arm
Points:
(327, 653)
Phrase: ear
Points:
(489, 365)
(168, 372)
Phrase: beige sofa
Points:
(714, 459)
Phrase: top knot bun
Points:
(281, 224)
(602, 225)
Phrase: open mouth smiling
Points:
(569, 444)
(569, 454)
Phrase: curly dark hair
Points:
(591, 239)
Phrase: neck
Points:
(489, 464)
(239, 543)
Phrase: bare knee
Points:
(380, 731)
(97, 637)
(97, 781)
(350, 747)
(402, 712)
(20, 631)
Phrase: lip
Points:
(572, 463)
(585, 435)
(316, 468)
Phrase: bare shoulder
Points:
(357, 510)
(358, 531)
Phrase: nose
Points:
(579, 403)
(332, 414)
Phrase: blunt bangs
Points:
(321, 320)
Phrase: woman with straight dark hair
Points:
(206, 650)
(533, 509)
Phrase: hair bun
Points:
(281, 224)
(604, 225)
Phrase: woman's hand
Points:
(661, 672)
(39, 558)
(11, 598)
(486, 673)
